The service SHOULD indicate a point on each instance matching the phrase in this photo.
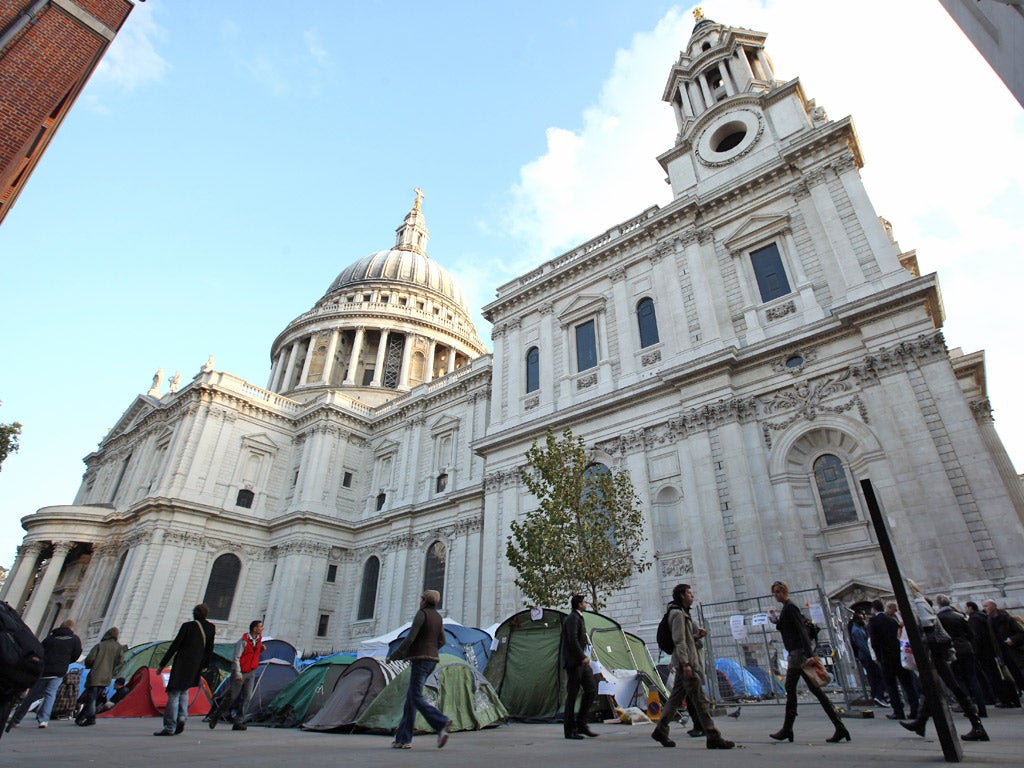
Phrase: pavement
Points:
(115, 742)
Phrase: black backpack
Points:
(664, 637)
(21, 653)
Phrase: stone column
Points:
(451, 359)
(44, 588)
(310, 351)
(704, 90)
(547, 356)
(762, 62)
(517, 372)
(696, 97)
(382, 358)
(741, 56)
(332, 350)
(723, 68)
(885, 254)
(431, 350)
(403, 373)
(625, 317)
(290, 368)
(353, 359)
(17, 580)
(834, 229)
(275, 371)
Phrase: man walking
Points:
(422, 648)
(61, 647)
(578, 674)
(884, 631)
(103, 659)
(688, 663)
(191, 651)
(244, 662)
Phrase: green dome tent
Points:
(525, 668)
(303, 697)
(455, 687)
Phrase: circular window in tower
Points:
(729, 137)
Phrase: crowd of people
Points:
(977, 653)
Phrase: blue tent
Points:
(766, 679)
(743, 683)
(468, 643)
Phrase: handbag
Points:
(815, 672)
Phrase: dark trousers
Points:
(578, 677)
(946, 676)
(794, 673)
(873, 673)
(966, 673)
(895, 675)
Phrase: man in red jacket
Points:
(246, 659)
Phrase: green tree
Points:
(586, 534)
(8, 440)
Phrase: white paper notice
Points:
(817, 614)
(739, 628)
(759, 620)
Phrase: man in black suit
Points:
(578, 674)
(884, 631)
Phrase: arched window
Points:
(245, 498)
(532, 369)
(220, 590)
(442, 482)
(433, 573)
(834, 490)
(648, 322)
(368, 590)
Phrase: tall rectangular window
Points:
(332, 573)
(321, 627)
(769, 272)
(586, 346)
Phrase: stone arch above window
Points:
(434, 568)
(368, 589)
(220, 590)
(821, 467)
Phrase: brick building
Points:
(48, 50)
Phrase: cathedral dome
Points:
(408, 267)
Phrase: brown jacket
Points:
(425, 638)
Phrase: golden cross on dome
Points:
(698, 13)
(419, 198)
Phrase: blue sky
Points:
(228, 159)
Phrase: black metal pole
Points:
(935, 702)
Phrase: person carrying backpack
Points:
(688, 663)
(61, 647)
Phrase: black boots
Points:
(786, 732)
(977, 732)
(917, 725)
(840, 734)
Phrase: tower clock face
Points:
(729, 137)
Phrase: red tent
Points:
(147, 697)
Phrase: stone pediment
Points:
(861, 591)
(260, 440)
(755, 230)
(138, 410)
(384, 447)
(582, 306)
(444, 424)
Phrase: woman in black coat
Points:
(797, 642)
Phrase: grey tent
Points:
(360, 684)
(271, 677)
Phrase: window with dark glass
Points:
(433, 574)
(769, 273)
(368, 590)
(532, 369)
(332, 573)
(220, 590)
(442, 482)
(346, 481)
(321, 627)
(245, 498)
(648, 322)
(381, 498)
(834, 490)
(586, 346)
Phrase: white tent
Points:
(377, 647)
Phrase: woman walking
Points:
(790, 623)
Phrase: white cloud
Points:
(132, 59)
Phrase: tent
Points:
(151, 654)
(524, 667)
(147, 697)
(456, 687)
(357, 686)
(271, 676)
(468, 643)
(743, 683)
(379, 647)
(303, 696)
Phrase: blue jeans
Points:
(420, 670)
(45, 688)
(176, 710)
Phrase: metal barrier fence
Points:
(746, 653)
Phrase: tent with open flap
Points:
(147, 697)
(303, 697)
(358, 685)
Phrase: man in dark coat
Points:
(191, 651)
(578, 673)
(884, 631)
(61, 647)
(1008, 645)
(984, 653)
